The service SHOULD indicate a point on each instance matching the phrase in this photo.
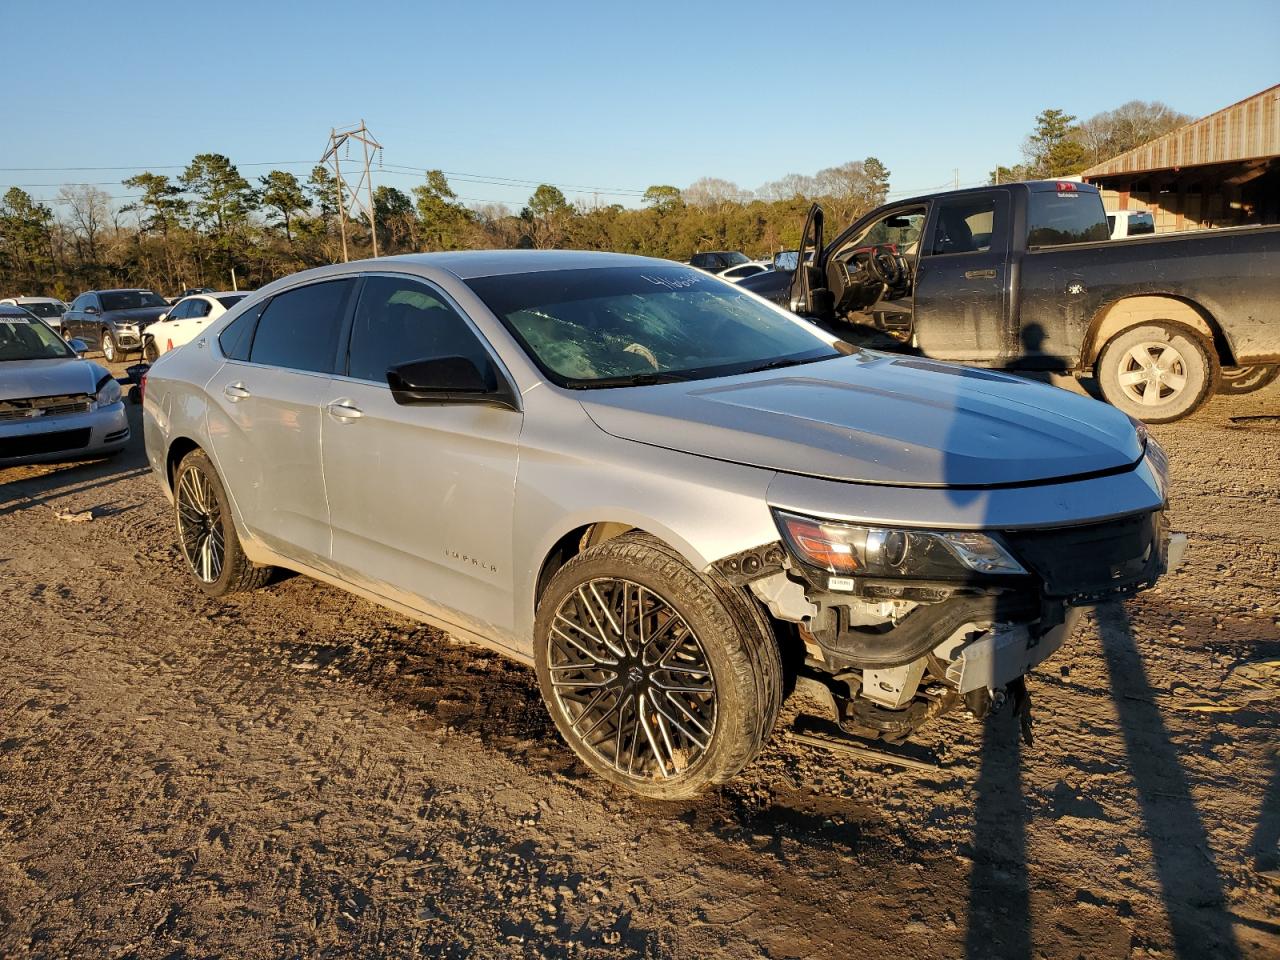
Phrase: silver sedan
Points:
(674, 499)
(53, 404)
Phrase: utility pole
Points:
(356, 205)
(957, 177)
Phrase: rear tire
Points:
(207, 535)
(662, 680)
(1157, 372)
(150, 352)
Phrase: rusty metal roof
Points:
(1247, 130)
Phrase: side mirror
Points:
(450, 380)
(164, 316)
(79, 346)
(91, 310)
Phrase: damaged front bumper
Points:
(892, 654)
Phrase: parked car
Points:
(185, 320)
(54, 405)
(48, 309)
(1025, 276)
(744, 270)
(190, 292)
(1130, 223)
(672, 498)
(717, 261)
(113, 320)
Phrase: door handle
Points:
(979, 274)
(236, 391)
(344, 410)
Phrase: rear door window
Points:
(966, 225)
(198, 308)
(398, 320)
(299, 329)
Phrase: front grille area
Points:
(1095, 562)
(29, 408)
(34, 444)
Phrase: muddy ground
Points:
(299, 773)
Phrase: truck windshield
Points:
(23, 339)
(1057, 217)
(623, 326)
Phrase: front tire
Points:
(207, 533)
(662, 680)
(109, 349)
(1157, 372)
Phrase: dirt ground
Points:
(297, 773)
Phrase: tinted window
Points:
(235, 338)
(299, 328)
(1141, 223)
(180, 312)
(198, 308)
(1058, 217)
(231, 301)
(1111, 222)
(400, 320)
(622, 326)
(964, 226)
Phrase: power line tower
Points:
(350, 204)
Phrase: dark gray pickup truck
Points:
(1024, 276)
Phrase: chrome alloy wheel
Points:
(632, 679)
(1152, 372)
(200, 525)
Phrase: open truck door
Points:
(809, 294)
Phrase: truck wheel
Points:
(207, 533)
(109, 350)
(1157, 372)
(1237, 381)
(662, 680)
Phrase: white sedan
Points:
(48, 309)
(184, 322)
(744, 270)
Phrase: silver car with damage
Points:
(677, 501)
(54, 405)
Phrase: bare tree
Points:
(89, 213)
(713, 192)
(1112, 132)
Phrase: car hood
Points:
(20, 379)
(137, 315)
(875, 418)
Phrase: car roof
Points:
(472, 264)
(33, 299)
(123, 290)
(9, 310)
(219, 293)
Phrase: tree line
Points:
(199, 227)
(1062, 145)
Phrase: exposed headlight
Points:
(861, 551)
(108, 392)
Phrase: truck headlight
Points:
(854, 550)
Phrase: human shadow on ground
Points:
(1190, 883)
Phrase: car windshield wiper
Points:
(783, 362)
(628, 380)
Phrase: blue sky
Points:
(614, 96)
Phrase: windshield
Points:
(29, 339)
(130, 300)
(50, 311)
(634, 325)
(231, 301)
